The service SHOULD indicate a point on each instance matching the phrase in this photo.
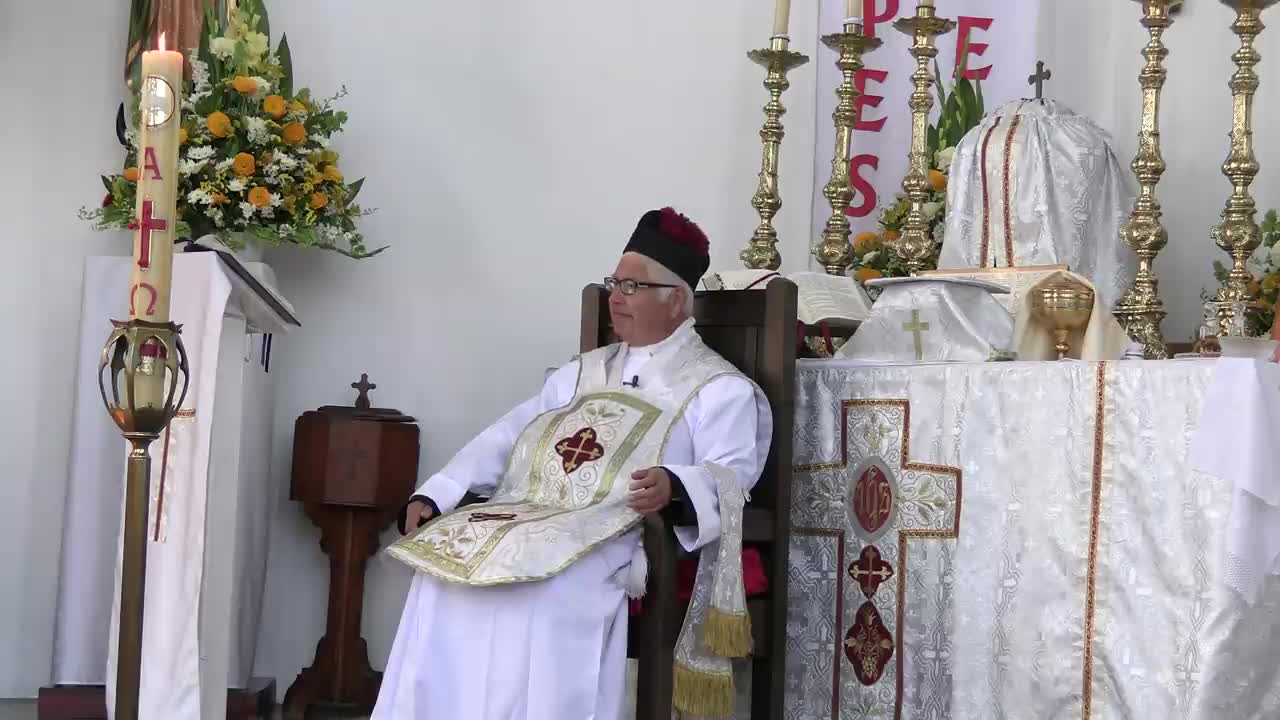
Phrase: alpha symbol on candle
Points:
(158, 101)
(149, 163)
(148, 223)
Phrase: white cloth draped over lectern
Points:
(1036, 184)
(926, 319)
(210, 500)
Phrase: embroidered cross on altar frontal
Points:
(896, 508)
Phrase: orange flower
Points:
(333, 173)
(244, 85)
(220, 199)
(244, 164)
(294, 133)
(219, 124)
(131, 174)
(890, 235)
(864, 274)
(259, 197)
(274, 106)
(182, 136)
(937, 180)
(319, 200)
(866, 241)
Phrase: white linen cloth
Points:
(1103, 338)
(931, 321)
(1086, 579)
(1036, 184)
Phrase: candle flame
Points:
(161, 42)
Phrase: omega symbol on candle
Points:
(158, 101)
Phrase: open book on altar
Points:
(837, 300)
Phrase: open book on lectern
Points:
(837, 300)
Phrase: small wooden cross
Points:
(1038, 79)
(364, 386)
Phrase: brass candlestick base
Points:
(834, 252)
(915, 246)
(1066, 306)
(762, 252)
(1238, 234)
(145, 361)
(1141, 310)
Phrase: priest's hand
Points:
(650, 490)
(415, 515)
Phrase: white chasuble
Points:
(518, 610)
(1036, 184)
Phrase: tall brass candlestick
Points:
(762, 252)
(915, 245)
(1141, 310)
(834, 252)
(1238, 233)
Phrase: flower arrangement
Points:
(1265, 267)
(962, 110)
(254, 159)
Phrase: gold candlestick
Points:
(1238, 233)
(762, 252)
(1141, 310)
(138, 353)
(834, 252)
(915, 245)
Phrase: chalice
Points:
(1066, 306)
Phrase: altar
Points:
(1028, 540)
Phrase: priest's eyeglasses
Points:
(629, 287)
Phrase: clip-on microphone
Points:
(635, 381)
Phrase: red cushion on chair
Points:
(754, 578)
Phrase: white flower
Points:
(256, 44)
(190, 167)
(264, 87)
(870, 257)
(1274, 256)
(321, 140)
(223, 47)
(216, 214)
(224, 165)
(276, 200)
(257, 130)
(285, 230)
(236, 185)
(200, 152)
(267, 212)
(284, 160)
(944, 157)
(247, 209)
(199, 197)
(931, 209)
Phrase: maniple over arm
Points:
(731, 425)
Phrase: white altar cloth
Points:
(1019, 540)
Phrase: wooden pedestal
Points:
(353, 468)
(340, 673)
(89, 702)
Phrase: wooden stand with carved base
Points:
(89, 702)
(353, 469)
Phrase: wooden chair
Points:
(756, 331)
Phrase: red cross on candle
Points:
(149, 223)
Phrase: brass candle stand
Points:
(915, 245)
(777, 60)
(145, 360)
(834, 252)
(1238, 234)
(1141, 310)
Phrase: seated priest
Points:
(518, 608)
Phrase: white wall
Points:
(60, 76)
(511, 147)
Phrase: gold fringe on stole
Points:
(702, 694)
(727, 634)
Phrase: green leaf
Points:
(106, 181)
(211, 30)
(286, 66)
(933, 143)
(353, 190)
(942, 92)
(264, 25)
